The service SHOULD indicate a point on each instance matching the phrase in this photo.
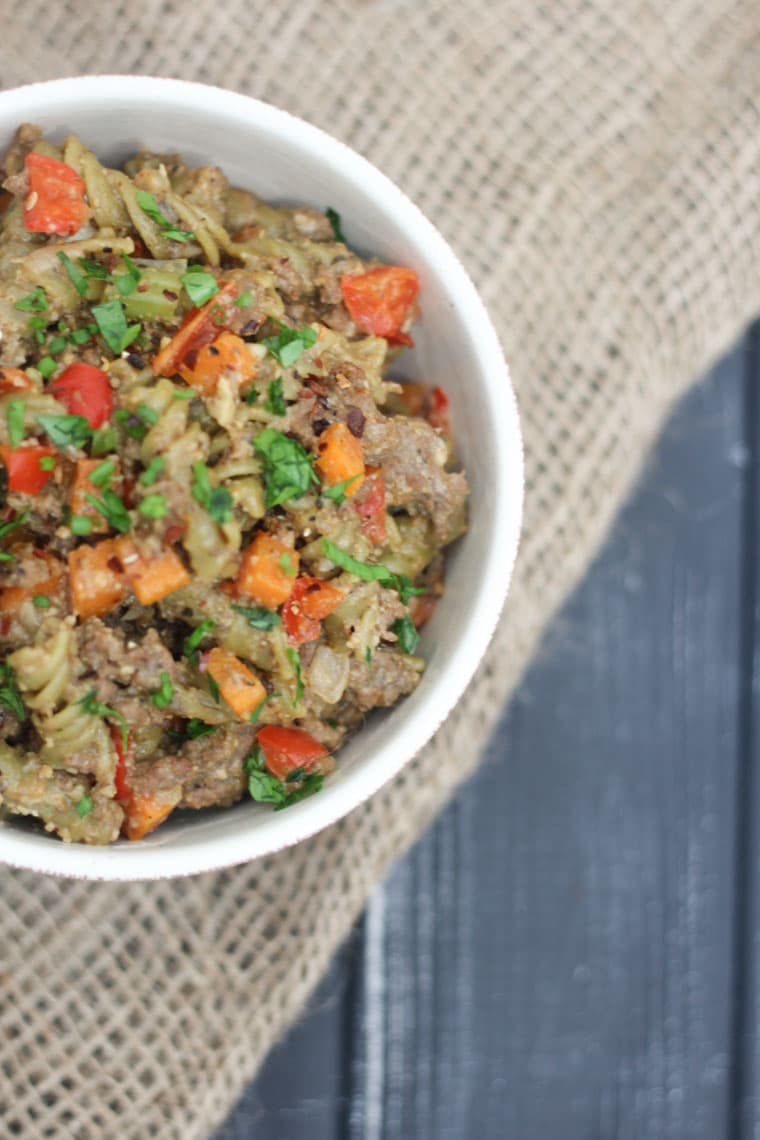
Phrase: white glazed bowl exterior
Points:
(290, 161)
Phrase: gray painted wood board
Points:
(569, 953)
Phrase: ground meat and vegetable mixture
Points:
(221, 525)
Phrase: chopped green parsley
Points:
(216, 500)
(288, 470)
(289, 343)
(149, 206)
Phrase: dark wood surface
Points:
(571, 953)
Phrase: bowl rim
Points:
(363, 779)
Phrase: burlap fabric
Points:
(596, 163)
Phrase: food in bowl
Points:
(223, 523)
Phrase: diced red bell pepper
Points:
(310, 601)
(85, 391)
(286, 749)
(381, 299)
(23, 467)
(55, 203)
(370, 503)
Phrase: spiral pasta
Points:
(45, 674)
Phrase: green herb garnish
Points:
(289, 343)
(163, 697)
(149, 206)
(285, 562)
(14, 416)
(127, 282)
(147, 414)
(245, 299)
(47, 463)
(406, 633)
(196, 637)
(333, 218)
(104, 440)
(264, 788)
(370, 572)
(103, 473)
(275, 401)
(337, 493)
(152, 471)
(46, 366)
(77, 278)
(10, 697)
(113, 327)
(196, 728)
(153, 506)
(200, 285)
(309, 787)
(90, 704)
(56, 345)
(213, 688)
(258, 617)
(295, 661)
(130, 423)
(37, 324)
(34, 302)
(84, 806)
(7, 527)
(112, 509)
(216, 500)
(94, 269)
(41, 601)
(288, 470)
(66, 431)
(80, 525)
(259, 709)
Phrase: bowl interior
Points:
(288, 161)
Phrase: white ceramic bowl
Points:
(290, 161)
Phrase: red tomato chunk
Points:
(286, 749)
(85, 390)
(23, 467)
(55, 203)
(380, 300)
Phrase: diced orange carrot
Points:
(151, 578)
(143, 813)
(268, 570)
(199, 328)
(228, 353)
(80, 488)
(340, 458)
(240, 687)
(94, 579)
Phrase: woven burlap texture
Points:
(596, 163)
